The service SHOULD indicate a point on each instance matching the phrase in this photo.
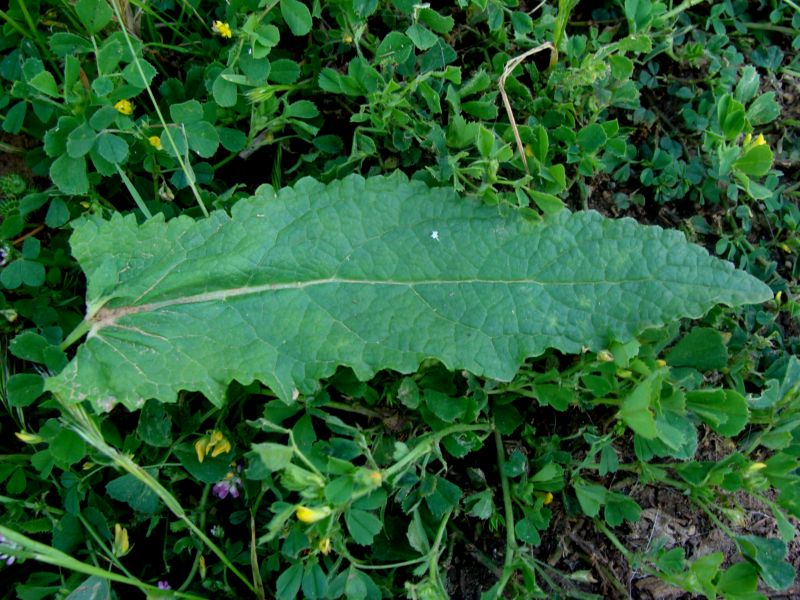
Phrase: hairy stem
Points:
(508, 510)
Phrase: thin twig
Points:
(22, 238)
(512, 64)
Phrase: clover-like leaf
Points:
(376, 273)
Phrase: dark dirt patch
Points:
(12, 155)
(474, 566)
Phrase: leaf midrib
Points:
(108, 316)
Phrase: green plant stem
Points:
(13, 23)
(705, 508)
(166, 22)
(36, 37)
(186, 171)
(685, 5)
(76, 334)
(353, 408)
(478, 554)
(771, 27)
(134, 193)
(601, 526)
(431, 556)
(258, 583)
(101, 543)
(541, 567)
(8, 148)
(426, 444)
(264, 423)
(397, 565)
(46, 554)
(196, 563)
(84, 426)
(562, 18)
(508, 511)
(435, 552)
(31, 505)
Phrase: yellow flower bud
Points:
(29, 438)
(213, 444)
(121, 542)
(605, 356)
(155, 142)
(221, 447)
(661, 363)
(759, 141)
(324, 545)
(201, 447)
(548, 498)
(311, 515)
(347, 38)
(124, 107)
(222, 29)
(756, 466)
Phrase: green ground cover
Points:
(302, 299)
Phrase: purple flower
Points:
(8, 559)
(164, 585)
(229, 485)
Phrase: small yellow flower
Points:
(222, 29)
(214, 443)
(759, 141)
(528, 150)
(548, 498)
(221, 447)
(311, 515)
(124, 107)
(121, 542)
(347, 38)
(324, 545)
(200, 448)
(155, 142)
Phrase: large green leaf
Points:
(376, 273)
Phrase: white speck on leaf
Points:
(435, 235)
